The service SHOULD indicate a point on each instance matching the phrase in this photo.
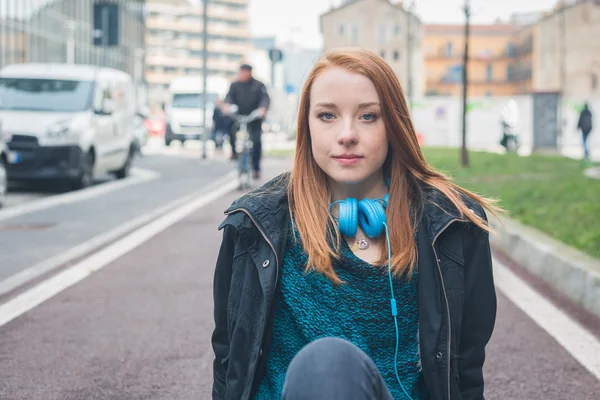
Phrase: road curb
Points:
(592, 173)
(566, 269)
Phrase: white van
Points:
(67, 122)
(184, 110)
(3, 167)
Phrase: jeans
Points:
(255, 135)
(333, 369)
(586, 145)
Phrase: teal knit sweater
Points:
(309, 307)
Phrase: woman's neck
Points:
(372, 188)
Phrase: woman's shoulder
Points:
(259, 204)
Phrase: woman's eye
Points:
(369, 117)
(326, 116)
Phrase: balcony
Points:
(189, 62)
(214, 45)
(214, 28)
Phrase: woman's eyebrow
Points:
(332, 105)
(368, 104)
(326, 104)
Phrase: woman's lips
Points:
(348, 159)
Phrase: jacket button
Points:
(266, 264)
(439, 355)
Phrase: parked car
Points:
(67, 122)
(184, 113)
(3, 165)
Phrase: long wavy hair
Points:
(309, 193)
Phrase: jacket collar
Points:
(268, 207)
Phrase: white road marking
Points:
(137, 176)
(80, 250)
(51, 287)
(577, 340)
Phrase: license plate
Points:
(14, 157)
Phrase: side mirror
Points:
(108, 106)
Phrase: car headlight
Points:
(175, 127)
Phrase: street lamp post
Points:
(204, 75)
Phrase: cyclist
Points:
(249, 94)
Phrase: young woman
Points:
(363, 273)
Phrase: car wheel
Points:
(3, 184)
(86, 175)
(124, 171)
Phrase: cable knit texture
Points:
(308, 307)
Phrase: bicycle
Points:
(243, 137)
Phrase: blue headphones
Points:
(370, 214)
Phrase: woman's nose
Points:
(347, 135)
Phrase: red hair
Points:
(309, 194)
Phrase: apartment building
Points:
(174, 42)
(63, 31)
(491, 59)
(382, 26)
(561, 52)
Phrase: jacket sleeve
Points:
(479, 311)
(230, 98)
(220, 336)
(265, 100)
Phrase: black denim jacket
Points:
(456, 294)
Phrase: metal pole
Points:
(563, 74)
(409, 54)
(71, 42)
(204, 75)
(464, 155)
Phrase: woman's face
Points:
(349, 140)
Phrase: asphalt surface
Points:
(51, 231)
(140, 329)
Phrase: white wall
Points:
(438, 119)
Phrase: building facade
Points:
(175, 40)
(63, 31)
(383, 27)
(492, 58)
(560, 52)
(537, 52)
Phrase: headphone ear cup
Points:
(348, 220)
(371, 217)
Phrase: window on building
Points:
(510, 73)
(594, 82)
(397, 30)
(396, 55)
(355, 34)
(489, 73)
(382, 54)
(511, 50)
(449, 49)
(341, 30)
(383, 37)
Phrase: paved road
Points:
(54, 230)
(140, 329)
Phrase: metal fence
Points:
(63, 31)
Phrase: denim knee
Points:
(333, 368)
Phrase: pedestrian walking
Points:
(585, 125)
(360, 274)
